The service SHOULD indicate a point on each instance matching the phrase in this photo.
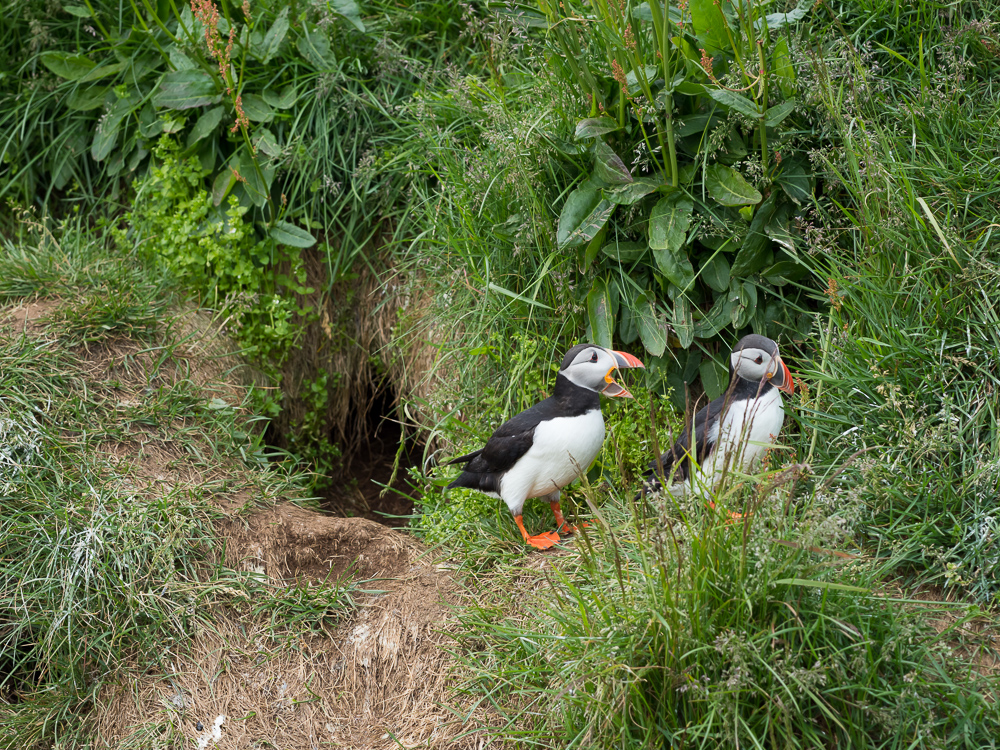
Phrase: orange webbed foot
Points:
(543, 541)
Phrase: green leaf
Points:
(594, 126)
(257, 180)
(256, 109)
(594, 247)
(283, 99)
(652, 327)
(794, 181)
(91, 97)
(315, 48)
(625, 252)
(205, 125)
(222, 184)
(728, 187)
(103, 71)
(70, 67)
(717, 318)
(734, 101)
(714, 377)
(683, 321)
(349, 10)
(709, 24)
(186, 89)
(79, 11)
(608, 166)
(627, 325)
(273, 38)
(602, 321)
(668, 224)
(777, 113)
(583, 215)
(777, 20)
(715, 272)
(265, 141)
(783, 68)
(744, 298)
(514, 295)
(750, 258)
(632, 192)
(632, 79)
(179, 60)
(108, 127)
(286, 233)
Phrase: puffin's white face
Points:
(756, 365)
(593, 368)
(753, 364)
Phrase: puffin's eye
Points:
(594, 357)
(759, 359)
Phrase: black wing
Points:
(511, 441)
(675, 464)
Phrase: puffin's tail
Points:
(463, 459)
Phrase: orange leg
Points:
(561, 524)
(541, 541)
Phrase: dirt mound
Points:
(377, 681)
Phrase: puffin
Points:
(539, 451)
(733, 431)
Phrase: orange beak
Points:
(782, 378)
(624, 361)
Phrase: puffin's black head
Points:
(590, 366)
(755, 358)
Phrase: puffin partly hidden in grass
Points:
(731, 433)
(544, 448)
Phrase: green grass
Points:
(107, 565)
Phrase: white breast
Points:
(562, 450)
(748, 429)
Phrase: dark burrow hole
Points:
(358, 490)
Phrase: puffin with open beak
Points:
(732, 433)
(544, 448)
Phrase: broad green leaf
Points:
(256, 109)
(103, 71)
(698, 124)
(265, 141)
(602, 321)
(750, 258)
(87, 98)
(668, 223)
(594, 247)
(777, 113)
(273, 38)
(628, 330)
(777, 227)
(283, 99)
(794, 181)
(632, 192)
(514, 295)
(222, 184)
(79, 11)
(777, 20)
(286, 233)
(179, 60)
(632, 79)
(150, 125)
(315, 47)
(70, 67)
(625, 252)
(717, 318)
(783, 272)
(709, 24)
(734, 101)
(683, 321)
(186, 89)
(594, 126)
(782, 66)
(583, 215)
(728, 187)
(608, 166)
(644, 13)
(108, 127)
(652, 326)
(744, 298)
(206, 125)
(715, 272)
(256, 179)
(349, 10)
(714, 377)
